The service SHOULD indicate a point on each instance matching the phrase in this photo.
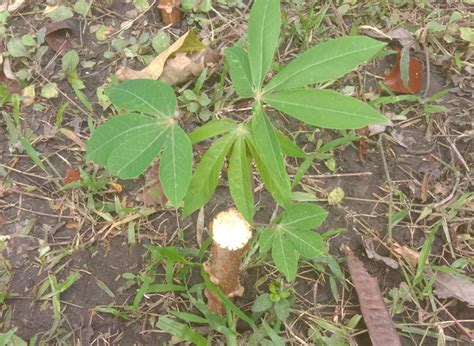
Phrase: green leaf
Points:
(326, 61)
(212, 129)
(265, 239)
(32, 153)
(143, 95)
(279, 194)
(160, 42)
(206, 176)
(325, 108)
(263, 33)
(69, 62)
(175, 328)
(16, 48)
(126, 144)
(303, 216)
(282, 309)
(262, 303)
(268, 148)
(60, 13)
(240, 179)
(276, 339)
(289, 148)
(176, 165)
(307, 242)
(285, 256)
(239, 71)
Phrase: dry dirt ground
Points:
(47, 233)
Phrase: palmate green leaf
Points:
(239, 71)
(173, 327)
(307, 242)
(269, 159)
(263, 33)
(147, 96)
(240, 179)
(325, 108)
(211, 129)
(303, 216)
(326, 61)
(206, 176)
(107, 137)
(176, 165)
(285, 256)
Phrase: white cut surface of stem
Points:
(230, 230)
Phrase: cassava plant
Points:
(128, 143)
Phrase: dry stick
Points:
(390, 206)
(230, 234)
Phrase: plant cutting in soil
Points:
(272, 172)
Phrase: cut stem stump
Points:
(231, 234)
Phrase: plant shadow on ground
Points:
(51, 234)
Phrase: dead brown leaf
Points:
(374, 311)
(184, 67)
(151, 194)
(155, 68)
(59, 36)
(411, 256)
(372, 254)
(452, 286)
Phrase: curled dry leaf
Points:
(184, 67)
(411, 256)
(374, 311)
(191, 57)
(59, 36)
(415, 75)
(401, 35)
(155, 67)
(170, 12)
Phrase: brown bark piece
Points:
(224, 265)
(170, 12)
(374, 311)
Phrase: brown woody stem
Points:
(231, 234)
(170, 11)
